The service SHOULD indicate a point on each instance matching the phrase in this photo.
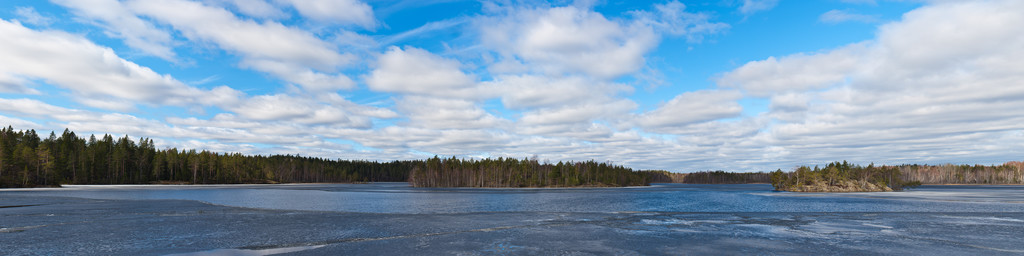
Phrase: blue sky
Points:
(742, 85)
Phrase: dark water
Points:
(401, 198)
(395, 219)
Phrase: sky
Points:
(736, 85)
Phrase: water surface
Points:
(401, 198)
(395, 219)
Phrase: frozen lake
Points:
(393, 218)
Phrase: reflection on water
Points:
(400, 198)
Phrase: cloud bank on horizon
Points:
(733, 85)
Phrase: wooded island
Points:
(841, 177)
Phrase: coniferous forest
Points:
(709, 177)
(511, 172)
(30, 160)
(896, 177)
(26, 160)
(841, 177)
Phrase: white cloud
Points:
(416, 71)
(436, 94)
(30, 16)
(10, 83)
(336, 11)
(752, 6)
(310, 80)
(95, 74)
(869, 2)
(394, 140)
(447, 113)
(256, 8)
(840, 16)
(223, 132)
(798, 72)
(336, 100)
(119, 22)
(430, 27)
(569, 40)
(916, 93)
(577, 113)
(533, 91)
(557, 64)
(299, 110)
(673, 19)
(35, 108)
(292, 54)
(692, 107)
(19, 123)
(919, 92)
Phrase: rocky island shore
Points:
(841, 177)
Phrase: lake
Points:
(394, 218)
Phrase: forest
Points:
(511, 172)
(1007, 173)
(841, 177)
(26, 160)
(709, 177)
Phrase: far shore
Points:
(71, 186)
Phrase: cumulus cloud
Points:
(292, 54)
(222, 132)
(534, 91)
(798, 72)
(910, 95)
(692, 107)
(549, 82)
(96, 74)
(569, 40)
(417, 71)
(336, 11)
(578, 113)
(299, 110)
(447, 113)
(435, 93)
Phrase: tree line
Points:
(841, 177)
(709, 177)
(1007, 173)
(26, 160)
(511, 172)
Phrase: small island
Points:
(841, 177)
